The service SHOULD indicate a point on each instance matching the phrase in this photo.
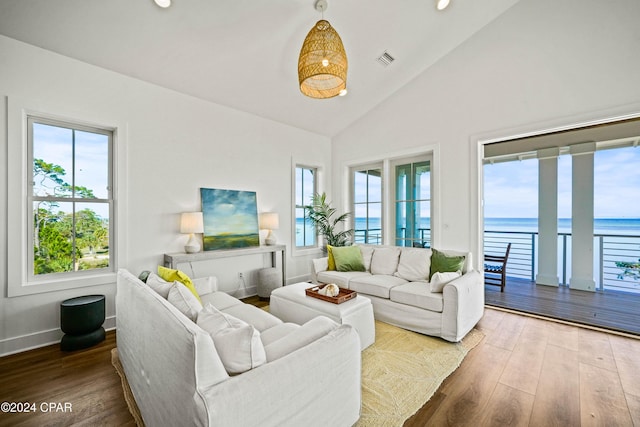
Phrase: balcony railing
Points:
(616, 257)
(374, 236)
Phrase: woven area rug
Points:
(403, 369)
(128, 395)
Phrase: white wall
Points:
(175, 144)
(541, 64)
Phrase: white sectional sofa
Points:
(311, 376)
(396, 279)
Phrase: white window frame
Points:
(20, 280)
(426, 157)
(319, 188)
(389, 160)
(31, 121)
(296, 206)
(353, 170)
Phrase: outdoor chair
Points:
(495, 269)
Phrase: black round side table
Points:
(81, 320)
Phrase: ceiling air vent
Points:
(385, 59)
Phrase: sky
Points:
(54, 145)
(511, 188)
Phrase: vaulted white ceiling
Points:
(243, 54)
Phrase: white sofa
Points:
(396, 279)
(178, 379)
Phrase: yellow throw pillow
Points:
(331, 262)
(171, 275)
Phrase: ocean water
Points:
(610, 226)
(621, 226)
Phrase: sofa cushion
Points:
(445, 263)
(276, 332)
(183, 300)
(348, 258)
(238, 343)
(220, 300)
(158, 284)
(417, 294)
(414, 264)
(367, 254)
(377, 285)
(385, 260)
(260, 319)
(171, 275)
(304, 335)
(340, 278)
(205, 285)
(438, 280)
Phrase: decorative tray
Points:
(344, 295)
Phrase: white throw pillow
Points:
(238, 344)
(414, 265)
(158, 284)
(184, 300)
(385, 260)
(213, 320)
(311, 331)
(439, 279)
(205, 285)
(367, 253)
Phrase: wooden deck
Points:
(616, 311)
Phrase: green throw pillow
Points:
(348, 258)
(445, 264)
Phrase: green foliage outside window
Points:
(66, 241)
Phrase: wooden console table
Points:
(171, 260)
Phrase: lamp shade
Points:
(191, 222)
(269, 221)
(322, 65)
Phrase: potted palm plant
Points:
(322, 216)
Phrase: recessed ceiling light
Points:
(442, 4)
(163, 3)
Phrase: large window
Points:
(70, 199)
(413, 204)
(392, 201)
(305, 188)
(367, 205)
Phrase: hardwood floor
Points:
(526, 371)
(612, 310)
(84, 381)
(533, 372)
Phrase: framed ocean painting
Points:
(230, 219)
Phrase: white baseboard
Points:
(245, 292)
(35, 340)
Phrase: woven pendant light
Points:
(322, 65)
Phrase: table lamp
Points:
(190, 223)
(269, 221)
